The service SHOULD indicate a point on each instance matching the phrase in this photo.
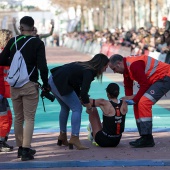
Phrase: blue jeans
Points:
(67, 103)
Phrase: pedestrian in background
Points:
(35, 31)
(166, 23)
(70, 85)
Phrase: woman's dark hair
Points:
(97, 63)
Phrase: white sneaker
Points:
(4, 147)
(89, 137)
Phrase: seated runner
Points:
(108, 133)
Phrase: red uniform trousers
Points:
(5, 119)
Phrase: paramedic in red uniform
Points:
(5, 112)
(153, 77)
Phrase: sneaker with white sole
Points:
(4, 147)
(90, 137)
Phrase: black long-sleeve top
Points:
(73, 77)
(33, 53)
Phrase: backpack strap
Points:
(25, 43)
(16, 41)
(21, 49)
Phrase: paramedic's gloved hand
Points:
(1, 97)
(130, 102)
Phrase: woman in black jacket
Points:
(70, 84)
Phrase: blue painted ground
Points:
(86, 163)
(48, 121)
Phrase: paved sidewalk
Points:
(50, 156)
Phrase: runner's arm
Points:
(97, 102)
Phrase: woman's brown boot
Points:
(62, 139)
(74, 140)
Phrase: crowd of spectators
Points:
(140, 41)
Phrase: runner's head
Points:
(113, 90)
